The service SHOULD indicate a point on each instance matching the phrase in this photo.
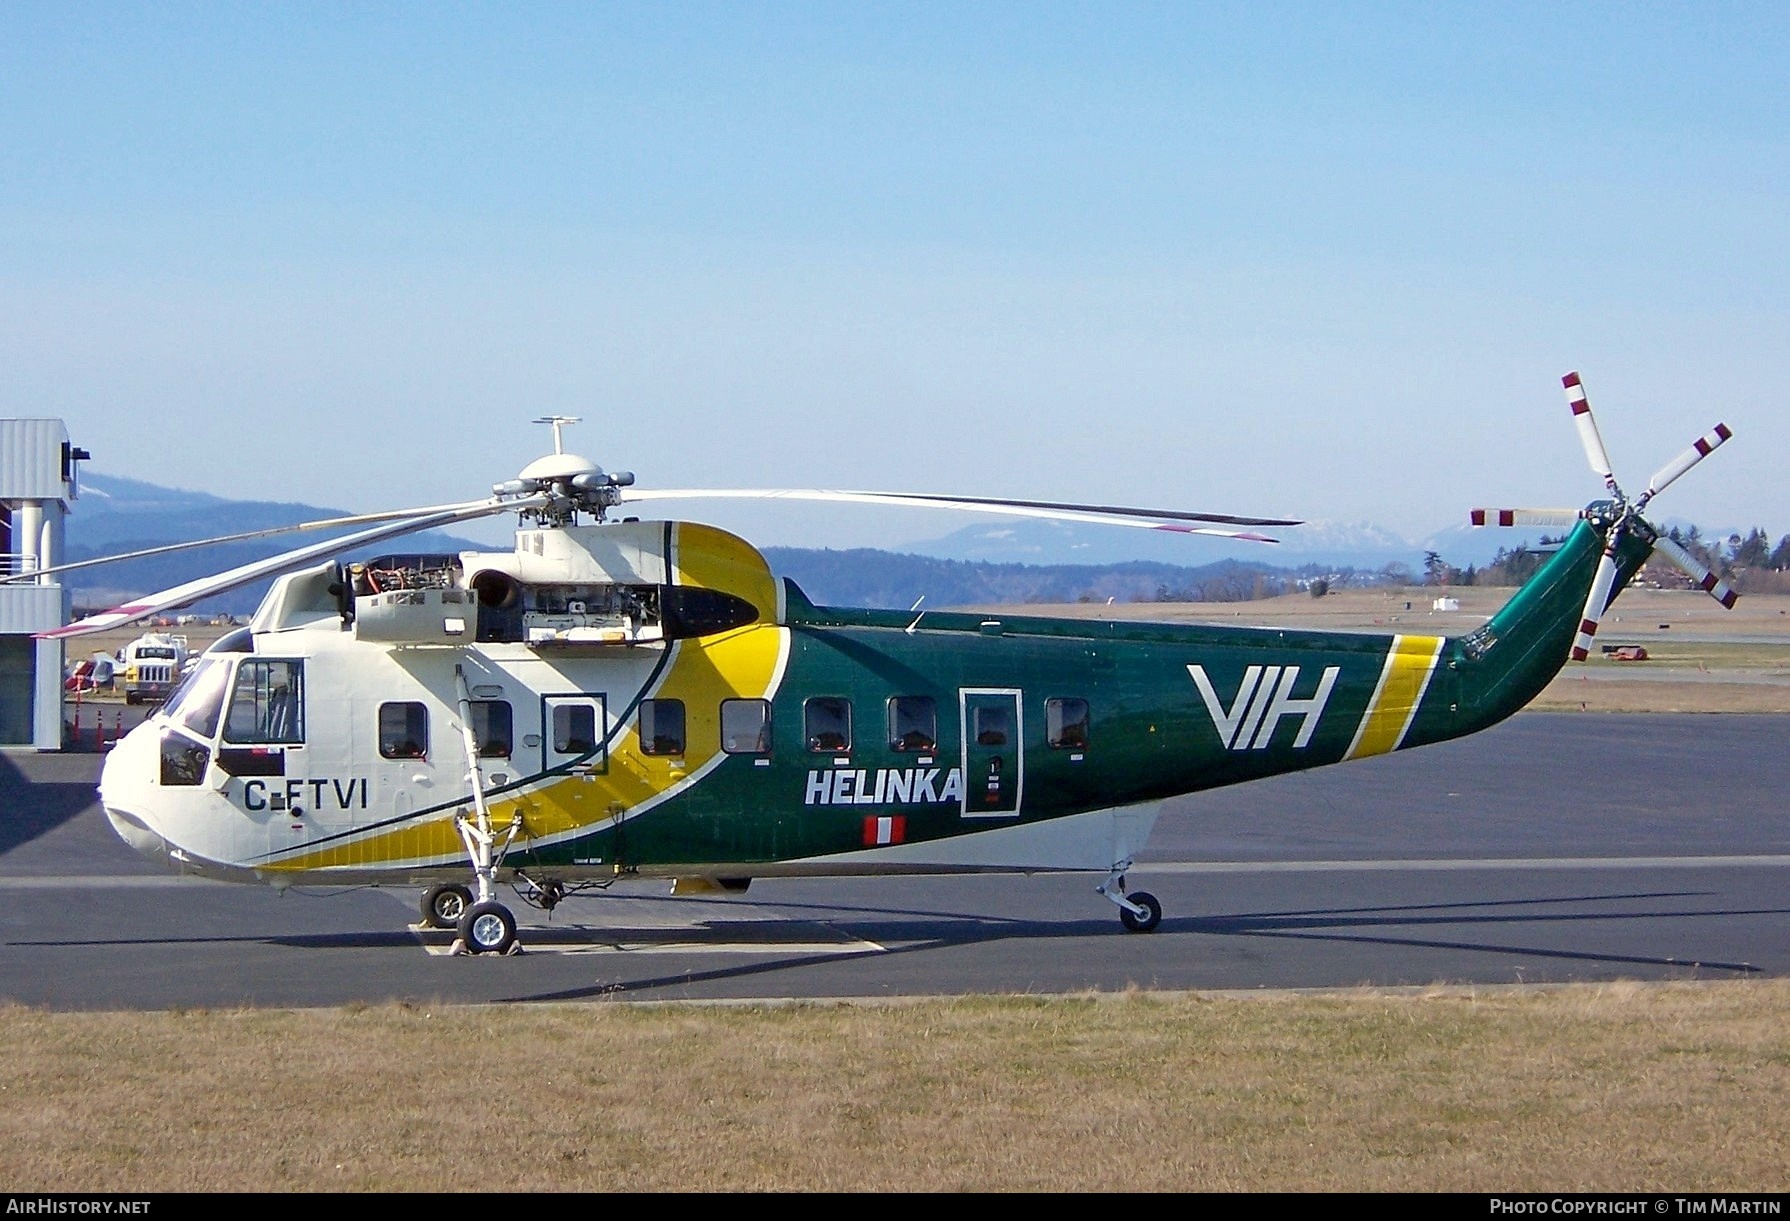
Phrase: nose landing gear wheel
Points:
(488, 928)
(443, 905)
(1149, 920)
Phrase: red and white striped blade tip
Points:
(1596, 601)
(1700, 449)
(1525, 517)
(1705, 580)
(1592, 440)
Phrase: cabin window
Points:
(746, 727)
(826, 723)
(266, 703)
(493, 728)
(403, 730)
(991, 724)
(574, 729)
(662, 727)
(913, 723)
(1066, 723)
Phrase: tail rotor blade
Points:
(1588, 434)
(1704, 446)
(1526, 517)
(1595, 602)
(1693, 568)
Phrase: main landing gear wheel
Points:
(488, 928)
(443, 905)
(1149, 920)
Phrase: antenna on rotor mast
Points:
(558, 422)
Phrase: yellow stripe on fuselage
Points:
(746, 663)
(1409, 664)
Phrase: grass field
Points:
(1611, 1088)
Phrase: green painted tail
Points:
(1498, 669)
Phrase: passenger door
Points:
(992, 757)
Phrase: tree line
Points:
(1749, 562)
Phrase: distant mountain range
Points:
(989, 562)
(1316, 545)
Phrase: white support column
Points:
(46, 697)
(49, 547)
(27, 534)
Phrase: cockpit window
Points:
(267, 703)
(199, 698)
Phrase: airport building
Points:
(39, 480)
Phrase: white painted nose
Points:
(127, 788)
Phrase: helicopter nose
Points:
(124, 787)
(135, 833)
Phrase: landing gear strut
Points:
(1139, 912)
(485, 927)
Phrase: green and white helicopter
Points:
(618, 699)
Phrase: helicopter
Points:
(618, 698)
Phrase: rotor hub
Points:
(553, 468)
(573, 483)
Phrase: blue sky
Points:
(1325, 260)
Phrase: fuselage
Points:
(645, 698)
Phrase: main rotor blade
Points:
(1588, 434)
(1704, 445)
(1526, 517)
(204, 587)
(327, 523)
(1694, 568)
(1595, 603)
(1112, 515)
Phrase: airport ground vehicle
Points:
(151, 665)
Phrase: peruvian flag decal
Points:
(891, 829)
